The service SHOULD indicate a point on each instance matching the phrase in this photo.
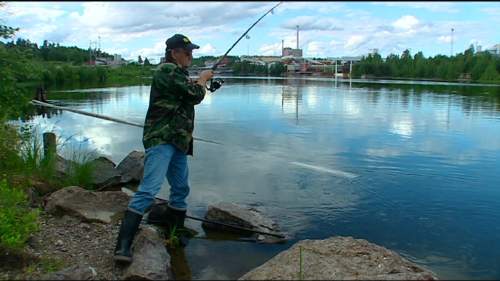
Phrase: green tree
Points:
(490, 74)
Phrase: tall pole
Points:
(452, 29)
(297, 37)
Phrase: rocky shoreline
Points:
(78, 230)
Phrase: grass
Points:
(173, 240)
(17, 220)
(35, 164)
(43, 266)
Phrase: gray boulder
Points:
(242, 216)
(63, 166)
(151, 260)
(338, 258)
(131, 167)
(75, 272)
(103, 206)
(104, 173)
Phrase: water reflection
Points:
(291, 98)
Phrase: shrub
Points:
(17, 220)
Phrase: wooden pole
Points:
(49, 145)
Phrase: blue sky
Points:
(328, 29)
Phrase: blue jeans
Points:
(160, 161)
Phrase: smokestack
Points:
(282, 47)
(297, 36)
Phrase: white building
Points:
(495, 50)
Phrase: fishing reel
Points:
(215, 84)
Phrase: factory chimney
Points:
(297, 36)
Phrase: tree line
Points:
(467, 66)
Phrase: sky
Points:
(327, 29)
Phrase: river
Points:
(413, 167)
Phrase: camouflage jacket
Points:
(170, 116)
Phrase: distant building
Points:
(112, 61)
(495, 50)
(223, 63)
(292, 52)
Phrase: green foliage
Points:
(10, 160)
(248, 68)
(81, 167)
(7, 32)
(22, 154)
(17, 220)
(277, 69)
(173, 240)
(480, 66)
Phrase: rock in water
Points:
(338, 258)
(242, 216)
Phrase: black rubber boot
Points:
(177, 221)
(172, 220)
(128, 229)
(160, 215)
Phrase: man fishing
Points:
(167, 139)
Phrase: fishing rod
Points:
(37, 102)
(217, 83)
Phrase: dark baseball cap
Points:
(180, 41)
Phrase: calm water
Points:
(413, 168)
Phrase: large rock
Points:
(63, 167)
(242, 216)
(104, 173)
(151, 260)
(338, 258)
(131, 167)
(104, 206)
(75, 272)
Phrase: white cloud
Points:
(319, 7)
(355, 41)
(158, 50)
(312, 23)
(444, 38)
(270, 49)
(34, 10)
(406, 22)
(131, 17)
(437, 7)
(206, 49)
(316, 48)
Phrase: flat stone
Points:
(338, 258)
(242, 216)
(88, 206)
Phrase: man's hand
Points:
(205, 75)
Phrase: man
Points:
(167, 139)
